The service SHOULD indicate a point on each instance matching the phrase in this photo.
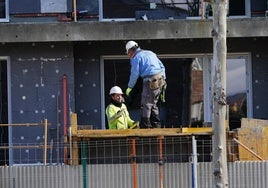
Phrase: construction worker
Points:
(146, 64)
(117, 113)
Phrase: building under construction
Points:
(59, 59)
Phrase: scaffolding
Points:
(43, 146)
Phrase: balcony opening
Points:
(176, 111)
(3, 112)
(4, 13)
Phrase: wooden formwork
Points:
(77, 135)
(253, 136)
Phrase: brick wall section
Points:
(197, 86)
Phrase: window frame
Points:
(247, 14)
(207, 85)
(7, 59)
(6, 19)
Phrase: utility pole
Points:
(219, 9)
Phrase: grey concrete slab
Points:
(124, 30)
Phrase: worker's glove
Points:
(119, 113)
(163, 92)
(128, 91)
(165, 84)
(135, 125)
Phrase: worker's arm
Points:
(130, 123)
(163, 92)
(134, 73)
(162, 68)
(112, 116)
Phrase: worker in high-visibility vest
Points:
(117, 113)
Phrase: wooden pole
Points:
(64, 113)
(219, 8)
(74, 148)
(161, 162)
(248, 149)
(203, 9)
(22, 124)
(70, 145)
(45, 142)
(25, 147)
(75, 11)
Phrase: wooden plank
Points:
(197, 130)
(25, 147)
(253, 133)
(249, 122)
(254, 137)
(75, 153)
(143, 132)
(45, 143)
(24, 124)
(74, 123)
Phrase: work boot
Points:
(155, 121)
(145, 123)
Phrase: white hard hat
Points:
(130, 44)
(116, 89)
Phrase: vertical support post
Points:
(64, 113)
(75, 11)
(161, 161)
(74, 123)
(70, 145)
(75, 155)
(203, 9)
(266, 13)
(58, 130)
(45, 143)
(219, 8)
(194, 163)
(73, 132)
(84, 163)
(134, 164)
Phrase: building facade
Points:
(63, 56)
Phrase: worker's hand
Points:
(163, 93)
(128, 91)
(135, 125)
(165, 85)
(162, 98)
(119, 113)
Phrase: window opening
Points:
(188, 95)
(149, 10)
(175, 112)
(164, 9)
(3, 112)
(236, 91)
(4, 11)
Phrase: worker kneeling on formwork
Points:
(117, 113)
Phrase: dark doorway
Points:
(3, 112)
(2, 9)
(176, 111)
(237, 8)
